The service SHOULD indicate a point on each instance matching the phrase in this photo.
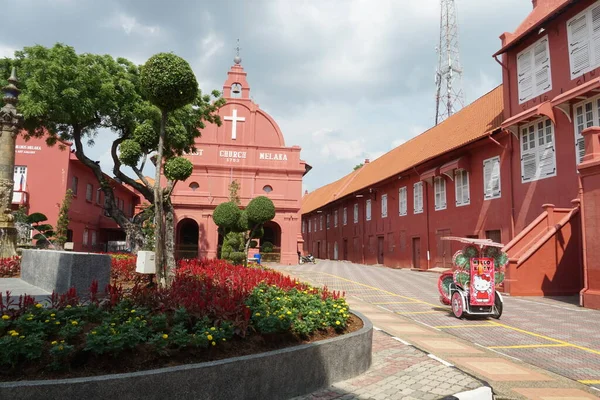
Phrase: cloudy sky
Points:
(345, 79)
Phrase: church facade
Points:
(249, 148)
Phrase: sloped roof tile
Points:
(473, 122)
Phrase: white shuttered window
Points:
(439, 186)
(587, 114)
(402, 201)
(583, 33)
(418, 197)
(491, 178)
(356, 213)
(538, 151)
(345, 217)
(533, 70)
(368, 210)
(384, 206)
(461, 185)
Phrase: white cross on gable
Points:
(234, 120)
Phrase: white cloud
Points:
(6, 51)
(131, 25)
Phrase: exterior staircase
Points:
(545, 259)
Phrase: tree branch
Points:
(144, 189)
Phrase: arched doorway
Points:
(272, 234)
(187, 242)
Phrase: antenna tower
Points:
(449, 94)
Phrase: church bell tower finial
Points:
(237, 59)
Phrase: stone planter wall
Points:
(279, 374)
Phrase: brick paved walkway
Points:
(558, 337)
(400, 372)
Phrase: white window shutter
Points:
(595, 16)
(466, 199)
(547, 158)
(458, 187)
(543, 81)
(529, 166)
(495, 177)
(487, 176)
(579, 147)
(525, 75)
(579, 45)
(443, 194)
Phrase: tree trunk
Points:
(158, 207)
(252, 232)
(170, 240)
(134, 237)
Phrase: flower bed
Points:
(212, 310)
(10, 267)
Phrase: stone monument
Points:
(9, 129)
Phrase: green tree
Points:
(71, 96)
(45, 232)
(358, 166)
(62, 224)
(229, 218)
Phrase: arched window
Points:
(194, 185)
(267, 189)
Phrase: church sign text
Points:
(232, 156)
(273, 156)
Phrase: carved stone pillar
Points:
(9, 128)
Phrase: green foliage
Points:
(168, 81)
(253, 244)
(45, 231)
(145, 134)
(260, 210)
(471, 251)
(148, 229)
(266, 247)
(130, 152)
(62, 224)
(226, 215)
(237, 257)
(302, 312)
(20, 214)
(358, 166)
(234, 188)
(178, 169)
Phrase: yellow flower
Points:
(57, 322)
(53, 315)
(112, 324)
(46, 321)
(60, 348)
(38, 305)
(29, 319)
(213, 329)
(93, 332)
(133, 311)
(74, 323)
(165, 336)
(54, 342)
(214, 344)
(224, 340)
(5, 317)
(289, 312)
(209, 337)
(257, 314)
(14, 333)
(62, 341)
(337, 322)
(68, 306)
(21, 337)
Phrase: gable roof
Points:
(543, 11)
(473, 122)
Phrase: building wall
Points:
(50, 172)
(404, 236)
(256, 157)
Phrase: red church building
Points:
(43, 175)
(248, 148)
(517, 166)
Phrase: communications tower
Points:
(448, 78)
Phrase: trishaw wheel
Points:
(497, 306)
(458, 308)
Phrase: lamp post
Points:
(9, 128)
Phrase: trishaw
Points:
(470, 288)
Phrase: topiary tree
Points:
(230, 219)
(169, 83)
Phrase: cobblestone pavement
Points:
(552, 334)
(399, 372)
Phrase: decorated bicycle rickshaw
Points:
(470, 288)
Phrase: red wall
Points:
(399, 232)
(49, 174)
(562, 188)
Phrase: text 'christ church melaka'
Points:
(249, 148)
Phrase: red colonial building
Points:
(515, 166)
(41, 179)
